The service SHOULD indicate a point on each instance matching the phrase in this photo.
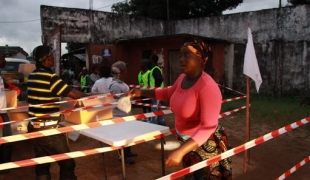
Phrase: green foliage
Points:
(178, 9)
(298, 2)
(280, 111)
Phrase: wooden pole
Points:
(247, 124)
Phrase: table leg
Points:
(104, 167)
(162, 141)
(123, 163)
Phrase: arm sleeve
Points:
(59, 87)
(158, 77)
(164, 94)
(89, 81)
(210, 101)
(115, 88)
(94, 89)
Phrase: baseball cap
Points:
(41, 52)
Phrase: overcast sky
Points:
(20, 19)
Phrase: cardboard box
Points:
(19, 114)
(26, 69)
(11, 98)
(90, 115)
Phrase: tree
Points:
(298, 2)
(178, 9)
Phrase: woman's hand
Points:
(174, 159)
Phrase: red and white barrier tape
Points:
(72, 110)
(293, 169)
(233, 99)
(149, 105)
(58, 157)
(76, 154)
(144, 87)
(61, 102)
(111, 95)
(231, 89)
(236, 150)
(50, 132)
(225, 114)
(89, 107)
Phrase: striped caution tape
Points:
(72, 110)
(225, 114)
(149, 105)
(236, 150)
(76, 154)
(49, 132)
(293, 169)
(61, 102)
(98, 97)
(144, 87)
(231, 89)
(233, 99)
(104, 105)
(149, 87)
(54, 158)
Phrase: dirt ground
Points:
(267, 161)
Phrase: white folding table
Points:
(126, 133)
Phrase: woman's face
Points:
(190, 63)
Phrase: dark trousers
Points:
(51, 145)
(5, 149)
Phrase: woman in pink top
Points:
(196, 102)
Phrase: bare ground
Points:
(267, 161)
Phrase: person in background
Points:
(94, 76)
(196, 114)
(118, 86)
(102, 85)
(44, 87)
(156, 80)
(6, 148)
(64, 74)
(143, 79)
(85, 81)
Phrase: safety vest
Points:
(152, 79)
(143, 79)
(83, 82)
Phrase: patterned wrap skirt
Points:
(215, 145)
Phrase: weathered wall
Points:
(287, 24)
(85, 26)
(281, 38)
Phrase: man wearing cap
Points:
(44, 86)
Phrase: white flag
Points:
(250, 67)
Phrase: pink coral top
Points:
(196, 109)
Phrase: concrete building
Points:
(281, 38)
(13, 52)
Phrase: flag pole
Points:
(247, 124)
(251, 70)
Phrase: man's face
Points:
(2, 62)
(50, 60)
